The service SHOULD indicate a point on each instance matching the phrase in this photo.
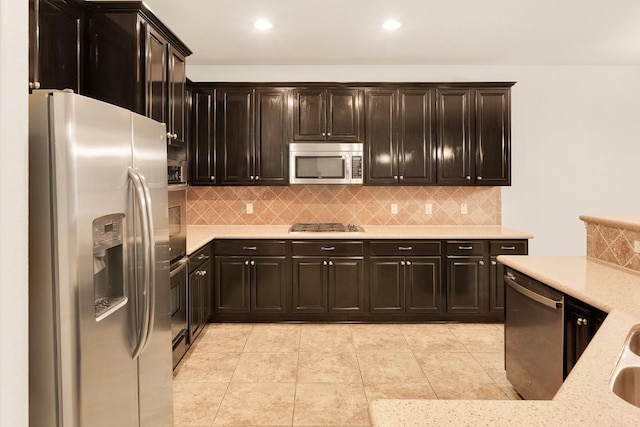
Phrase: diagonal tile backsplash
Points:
(613, 244)
(353, 204)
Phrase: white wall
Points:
(575, 137)
(14, 356)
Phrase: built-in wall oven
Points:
(179, 268)
(534, 336)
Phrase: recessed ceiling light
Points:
(391, 24)
(263, 25)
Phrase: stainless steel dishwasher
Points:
(534, 336)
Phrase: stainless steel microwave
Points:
(325, 163)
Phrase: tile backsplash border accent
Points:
(349, 204)
(613, 244)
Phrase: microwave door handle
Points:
(140, 201)
(150, 250)
(347, 167)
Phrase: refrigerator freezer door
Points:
(155, 363)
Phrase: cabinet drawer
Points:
(198, 258)
(405, 248)
(508, 247)
(474, 247)
(250, 247)
(327, 248)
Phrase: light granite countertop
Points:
(199, 235)
(584, 399)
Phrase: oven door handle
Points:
(179, 266)
(551, 303)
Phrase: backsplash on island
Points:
(354, 204)
(613, 243)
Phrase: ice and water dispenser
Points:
(108, 264)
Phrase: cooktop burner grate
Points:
(323, 227)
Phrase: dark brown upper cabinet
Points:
(135, 61)
(473, 134)
(400, 136)
(327, 114)
(202, 136)
(55, 42)
(252, 136)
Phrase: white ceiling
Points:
(434, 32)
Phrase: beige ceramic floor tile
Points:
(399, 391)
(321, 367)
(257, 404)
(452, 368)
(266, 368)
(275, 338)
(493, 364)
(471, 326)
(387, 367)
(329, 338)
(467, 390)
(207, 367)
(223, 338)
(196, 403)
(367, 338)
(330, 404)
(432, 338)
(480, 340)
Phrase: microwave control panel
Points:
(356, 167)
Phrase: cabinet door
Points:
(496, 286)
(271, 136)
(194, 308)
(235, 137)
(206, 291)
(454, 136)
(55, 41)
(416, 142)
(380, 134)
(346, 284)
(156, 78)
(309, 115)
(202, 145)
(577, 332)
(386, 277)
(268, 284)
(466, 285)
(310, 284)
(493, 139)
(177, 79)
(232, 284)
(423, 285)
(343, 115)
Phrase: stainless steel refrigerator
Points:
(100, 326)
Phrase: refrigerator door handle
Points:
(141, 201)
(150, 258)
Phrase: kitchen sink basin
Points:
(625, 380)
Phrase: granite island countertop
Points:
(584, 399)
(199, 235)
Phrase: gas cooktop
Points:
(323, 227)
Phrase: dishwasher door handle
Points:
(533, 295)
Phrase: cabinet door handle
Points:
(328, 248)
(330, 262)
(328, 133)
(508, 248)
(479, 178)
(34, 85)
(253, 262)
(408, 262)
(401, 177)
(204, 273)
(213, 178)
(405, 248)
(324, 262)
(494, 263)
(249, 248)
(465, 248)
(257, 177)
(246, 262)
(324, 134)
(468, 177)
(581, 321)
(402, 263)
(481, 262)
(169, 135)
(252, 177)
(395, 176)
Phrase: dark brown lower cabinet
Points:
(405, 284)
(250, 284)
(496, 270)
(581, 324)
(467, 285)
(199, 307)
(328, 284)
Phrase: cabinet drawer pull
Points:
(581, 321)
(405, 248)
(465, 248)
(328, 248)
(508, 248)
(250, 248)
(202, 256)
